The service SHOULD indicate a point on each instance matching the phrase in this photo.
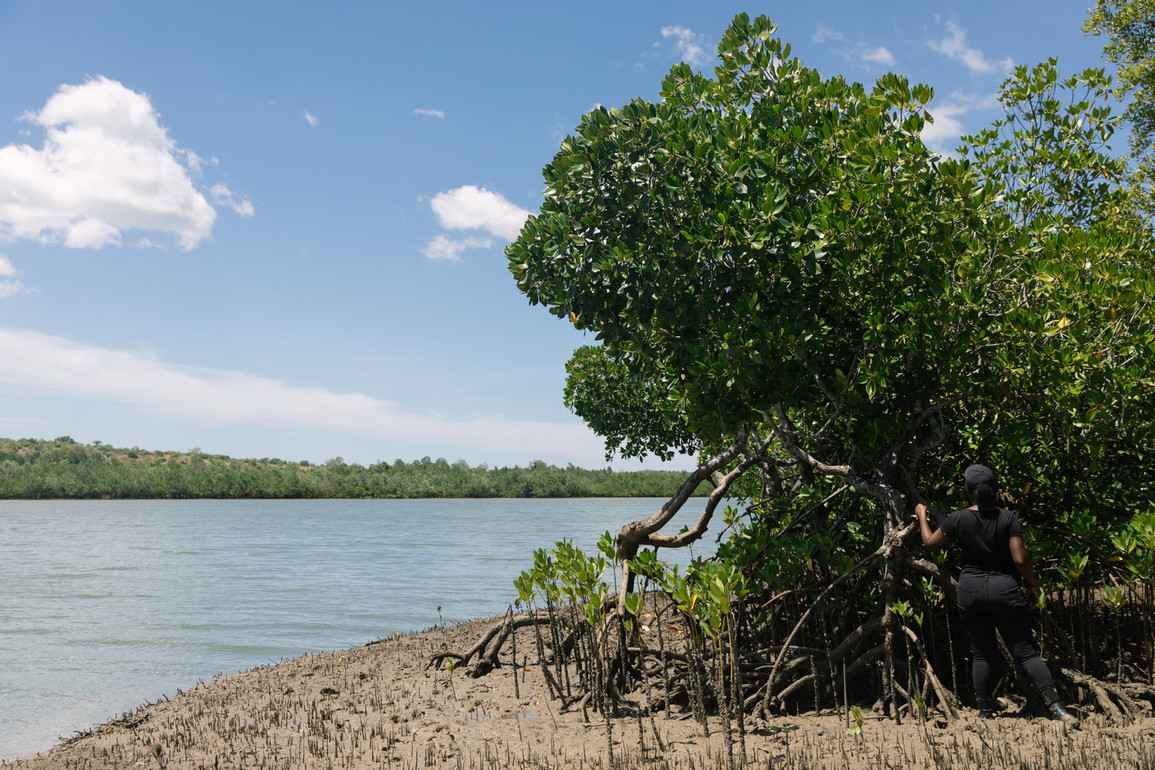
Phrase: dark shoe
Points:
(1062, 715)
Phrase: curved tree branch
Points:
(642, 532)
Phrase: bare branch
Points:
(635, 532)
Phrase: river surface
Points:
(108, 605)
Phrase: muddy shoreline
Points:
(383, 706)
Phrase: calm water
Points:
(107, 605)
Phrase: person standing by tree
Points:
(990, 596)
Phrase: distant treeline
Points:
(31, 469)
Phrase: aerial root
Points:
(489, 645)
(946, 699)
(1112, 698)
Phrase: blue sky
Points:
(276, 229)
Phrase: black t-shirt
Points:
(985, 537)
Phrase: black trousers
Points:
(987, 603)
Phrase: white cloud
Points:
(430, 113)
(862, 54)
(9, 288)
(954, 47)
(825, 34)
(880, 55)
(312, 119)
(107, 165)
(195, 162)
(692, 48)
(444, 248)
(943, 134)
(223, 196)
(51, 366)
(9, 285)
(475, 208)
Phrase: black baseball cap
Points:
(979, 474)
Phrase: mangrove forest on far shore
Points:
(32, 469)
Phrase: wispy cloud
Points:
(312, 119)
(860, 53)
(954, 47)
(879, 55)
(223, 196)
(430, 113)
(107, 165)
(823, 34)
(9, 284)
(38, 363)
(693, 48)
